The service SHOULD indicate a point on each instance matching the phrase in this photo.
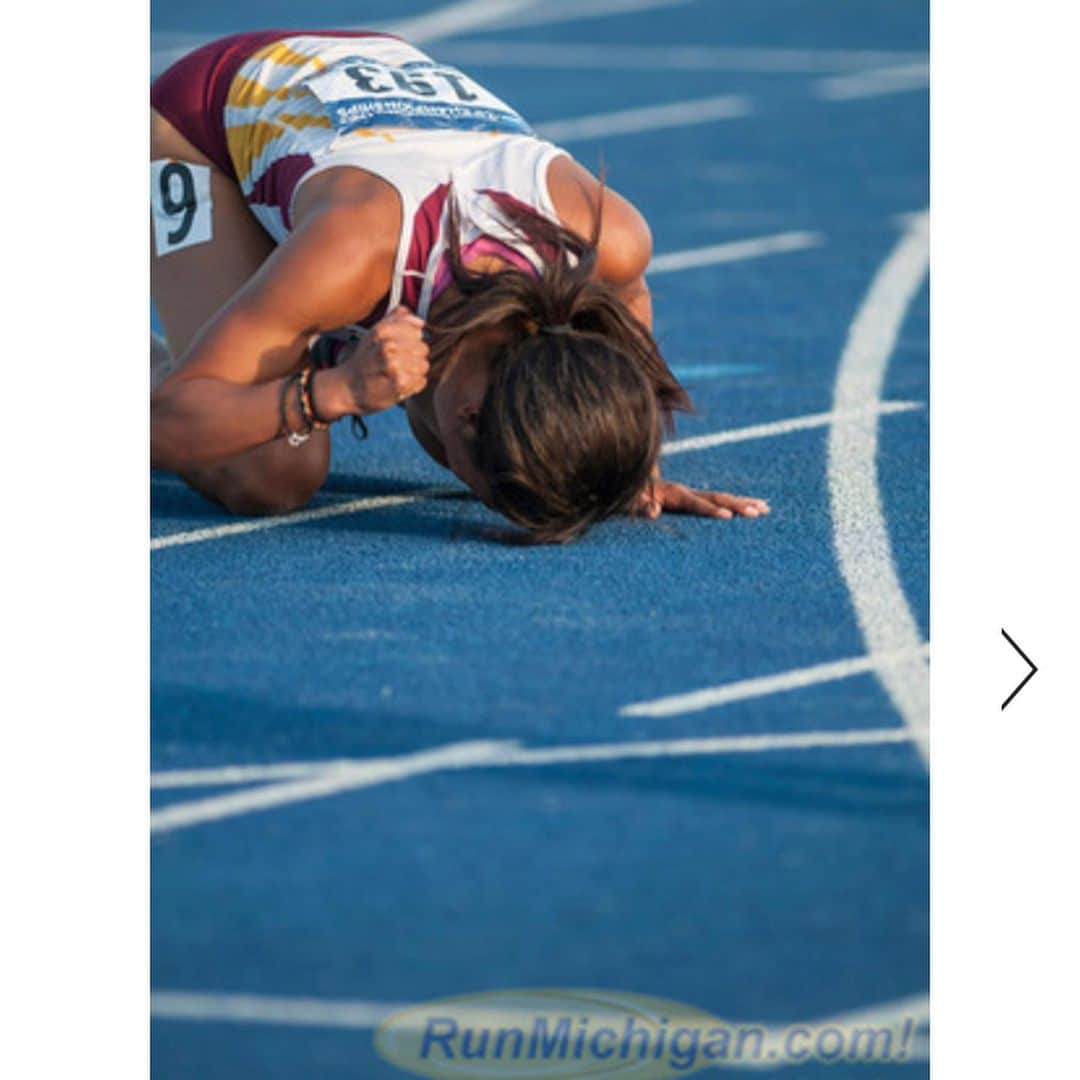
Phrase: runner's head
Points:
(551, 397)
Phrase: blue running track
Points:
(779, 880)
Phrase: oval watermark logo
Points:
(598, 1034)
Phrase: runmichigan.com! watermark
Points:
(595, 1034)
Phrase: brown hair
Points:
(570, 427)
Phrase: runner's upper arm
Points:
(330, 272)
(625, 245)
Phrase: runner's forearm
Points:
(199, 421)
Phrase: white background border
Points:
(1005, 237)
(76, 559)
(1005, 233)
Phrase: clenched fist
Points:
(389, 364)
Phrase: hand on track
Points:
(664, 496)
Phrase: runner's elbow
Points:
(172, 445)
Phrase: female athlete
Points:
(340, 225)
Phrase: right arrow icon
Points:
(1026, 678)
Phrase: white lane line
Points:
(784, 427)
(714, 696)
(734, 251)
(915, 1007)
(352, 506)
(223, 776)
(885, 1015)
(511, 753)
(886, 80)
(708, 746)
(442, 22)
(556, 11)
(260, 1009)
(456, 18)
(649, 118)
(681, 57)
(450, 19)
(860, 535)
(318, 781)
(330, 781)
(224, 1008)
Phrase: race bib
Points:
(358, 92)
(181, 205)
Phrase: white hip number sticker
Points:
(180, 200)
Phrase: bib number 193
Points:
(180, 201)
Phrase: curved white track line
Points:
(860, 536)
(352, 1015)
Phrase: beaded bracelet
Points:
(307, 401)
(294, 438)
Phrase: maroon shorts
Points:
(191, 94)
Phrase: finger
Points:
(760, 504)
(744, 509)
(684, 500)
(747, 507)
(409, 381)
(406, 333)
(753, 507)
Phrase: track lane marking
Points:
(734, 251)
(455, 18)
(886, 80)
(333, 780)
(765, 685)
(320, 780)
(558, 11)
(785, 427)
(225, 1008)
(860, 536)
(442, 22)
(301, 517)
(265, 1009)
(226, 775)
(764, 61)
(675, 114)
